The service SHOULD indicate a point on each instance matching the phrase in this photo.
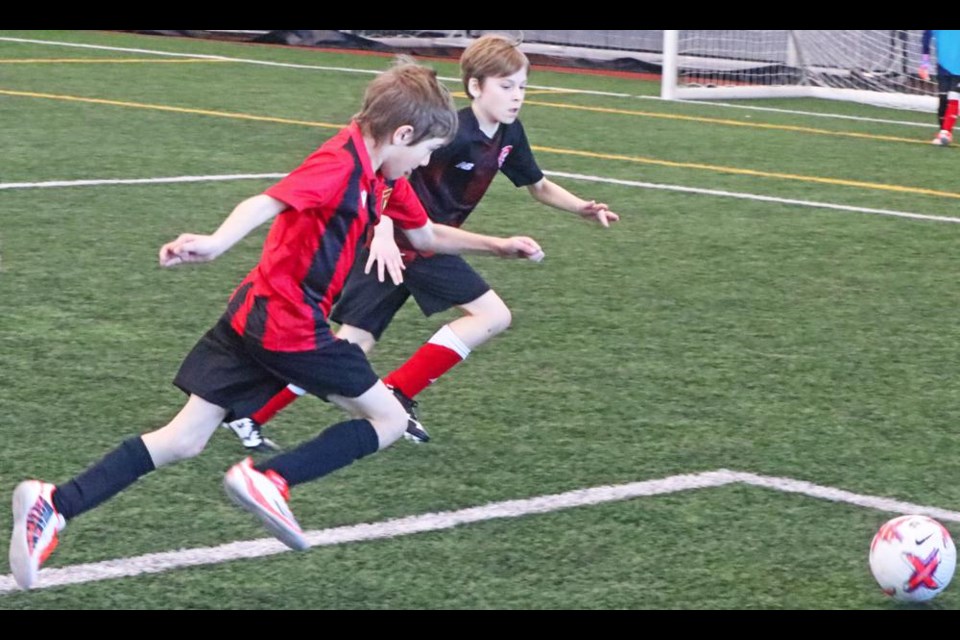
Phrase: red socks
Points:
(950, 117)
(441, 353)
(286, 395)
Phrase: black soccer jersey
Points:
(458, 175)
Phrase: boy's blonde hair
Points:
(491, 56)
(408, 93)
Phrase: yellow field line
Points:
(587, 154)
(752, 172)
(98, 60)
(159, 107)
(731, 123)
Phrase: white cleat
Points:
(250, 434)
(265, 495)
(943, 139)
(36, 524)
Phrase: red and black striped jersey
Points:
(334, 198)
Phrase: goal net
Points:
(877, 67)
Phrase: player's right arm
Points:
(409, 215)
(385, 253)
(440, 238)
(245, 217)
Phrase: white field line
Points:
(457, 80)
(730, 105)
(269, 63)
(166, 561)
(753, 196)
(561, 174)
(839, 495)
(205, 56)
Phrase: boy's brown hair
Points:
(491, 56)
(408, 93)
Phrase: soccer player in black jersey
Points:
(489, 140)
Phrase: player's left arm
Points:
(550, 193)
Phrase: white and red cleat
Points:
(36, 524)
(943, 139)
(265, 495)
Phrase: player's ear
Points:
(402, 135)
(474, 87)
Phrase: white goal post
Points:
(877, 67)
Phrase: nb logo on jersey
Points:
(466, 166)
(503, 154)
(363, 199)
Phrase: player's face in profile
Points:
(406, 158)
(501, 97)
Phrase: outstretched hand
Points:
(598, 211)
(189, 247)
(924, 70)
(520, 247)
(386, 254)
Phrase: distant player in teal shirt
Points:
(948, 78)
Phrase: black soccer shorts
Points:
(240, 375)
(437, 283)
(947, 82)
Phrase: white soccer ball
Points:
(913, 558)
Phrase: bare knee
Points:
(173, 443)
(494, 317)
(500, 320)
(390, 427)
(359, 337)
(186, 435)
(381, 408)
(484, 318)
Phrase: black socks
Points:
(115, 472)
(338, 446)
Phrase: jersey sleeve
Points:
(404, 207)
(315, 184)
(519, 165)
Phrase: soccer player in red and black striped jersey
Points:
(275, 328)
(490, 139)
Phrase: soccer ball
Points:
(913, 558)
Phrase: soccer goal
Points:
(877, 67)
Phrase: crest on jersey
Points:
(384, 197)
(503, 155)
